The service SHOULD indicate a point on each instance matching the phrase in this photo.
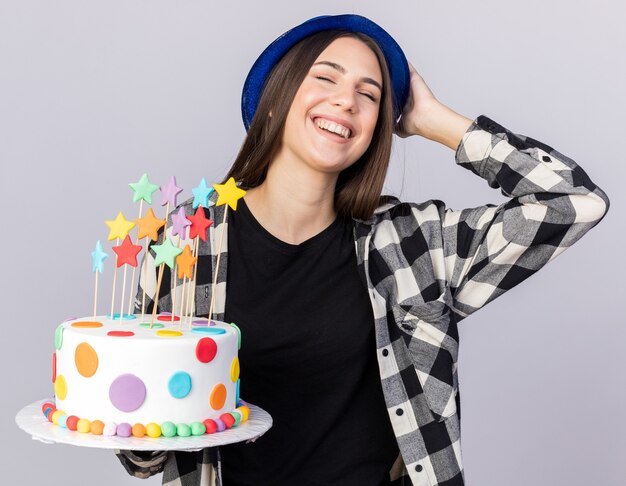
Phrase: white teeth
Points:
(333, 127)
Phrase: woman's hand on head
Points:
(426, 116)
(420, 104)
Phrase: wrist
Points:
(444, 125)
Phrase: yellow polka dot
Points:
(168, 333)
(86, 360)
(245, 412)
(153, 430)
(218, 396)
(83, 426)
(234, 370)
(60, 387)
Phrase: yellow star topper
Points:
(119, 227)
(228, 193)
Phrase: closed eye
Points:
(367, 95)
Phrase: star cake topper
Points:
(229, 193)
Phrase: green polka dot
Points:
(183, 430)
(156, 325)
(58, 336)
(238, 334)
(197, 428)
(168, 429)
(237, 416)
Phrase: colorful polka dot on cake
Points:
(87, 324)
(234, 369)
(179, 384)
(120, 333)
(245, 412)
(58, 337)
(183, 430)
(197, 428)
(168, 333)
(221, 426)
(138, 430)
(96, 427)
(228, 420)
(83, 426)
(218, 396)
(86, 360)
(168, 429)
(153, 430)
(72, 422)
(110, 429)
(127, 393)
(206, 349)
(60, 387)
(124, 429)
(210, 426)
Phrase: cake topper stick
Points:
(166, 254)
(119, 228)
(179, 228)
(126, 255)
(132, 280)
(228, 194)
(97, 258)
(142, 191)
(198, 230)
(185, 263)
(147, 227)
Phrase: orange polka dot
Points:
(96, 427)
(138, 430)
(218, 396)
(86, 360)
(87, 324)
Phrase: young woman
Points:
(349, 302)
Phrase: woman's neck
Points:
(293, 205)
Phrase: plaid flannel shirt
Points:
(427, 267)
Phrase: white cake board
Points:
(32, 421)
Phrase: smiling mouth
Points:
(332, 129)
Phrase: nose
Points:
(345, 97)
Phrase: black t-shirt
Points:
(308, 358)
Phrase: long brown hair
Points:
(359, 187)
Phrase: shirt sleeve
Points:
(142, 464)
(490, 249)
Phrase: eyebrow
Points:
(342, 70)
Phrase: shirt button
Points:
(545, 158)
(399, 411)
(385, 352)
(419, 468)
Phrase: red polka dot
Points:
(120, 333)
(168, 318)
(206, 349)
(71, 422)
(47, 405)
(228, 420)
(210, 425)
(54, 367)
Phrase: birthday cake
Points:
(126, 375)
(150, 374)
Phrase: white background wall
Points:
(93, 94)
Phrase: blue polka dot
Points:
(208, 330)
(179, 385)
(63, 421)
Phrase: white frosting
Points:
(153, 359)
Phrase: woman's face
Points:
(334, 112)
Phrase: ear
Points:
(270, 114)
